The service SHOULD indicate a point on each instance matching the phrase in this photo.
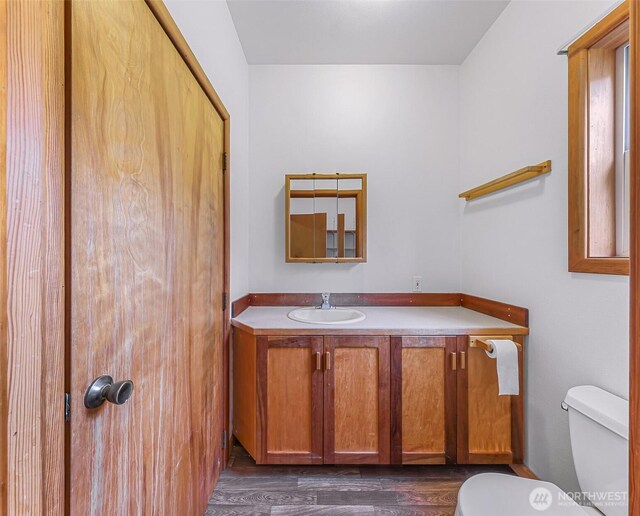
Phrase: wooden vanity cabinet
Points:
(290, 399)
(312, 400)
(490, 427)
(423, 400)
(373, 400)
(356, 394)
(445, 406)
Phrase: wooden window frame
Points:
(634, 252)
(591, 146)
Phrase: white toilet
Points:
(599, 428)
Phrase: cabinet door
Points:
(423, 400)
(490, 427)
(356, 407)
(289, 374)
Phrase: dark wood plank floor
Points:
(245, 488)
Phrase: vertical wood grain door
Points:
(146, 265)
(423, 400)
(290, 386)
(490, 427)
(356, 407)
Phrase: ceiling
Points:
(361, 31)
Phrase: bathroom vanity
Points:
(403, 386)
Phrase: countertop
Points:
(380, 320)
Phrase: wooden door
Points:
(290, 384)
(490, 427)
(356, 406)
(146, 267)
(423, 400)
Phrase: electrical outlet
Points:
(417, 283)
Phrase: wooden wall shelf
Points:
(519, 176)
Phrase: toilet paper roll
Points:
(505, 352)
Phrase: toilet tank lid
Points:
(604, 408)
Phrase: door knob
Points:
(103, 388)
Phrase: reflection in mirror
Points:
(348, 237)
(326, 218)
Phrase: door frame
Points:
(634, 280)
(34, 327)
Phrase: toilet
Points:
(599, 429)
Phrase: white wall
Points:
(513, 91)
(209, 30)
(398, 124)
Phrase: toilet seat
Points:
(497, 494)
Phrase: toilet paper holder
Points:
(481, 342)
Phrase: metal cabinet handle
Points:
(463, 360)
(327, 361)
(453, 358)
(318, 361)
(103, 388)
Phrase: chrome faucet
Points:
(325, 301)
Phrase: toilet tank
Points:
(599, 428)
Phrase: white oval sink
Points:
(331, 316)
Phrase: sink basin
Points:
(331, 316)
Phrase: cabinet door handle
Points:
(318, 361)
(453, 357)
(463, 360)
(327, 361)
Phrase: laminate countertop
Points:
(380, 320)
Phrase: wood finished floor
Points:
(245, 488)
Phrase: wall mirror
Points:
(326, 218)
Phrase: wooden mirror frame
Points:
(360, 197)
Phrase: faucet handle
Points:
(326, 296)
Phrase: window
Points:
(622, 145)
(599, 118)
